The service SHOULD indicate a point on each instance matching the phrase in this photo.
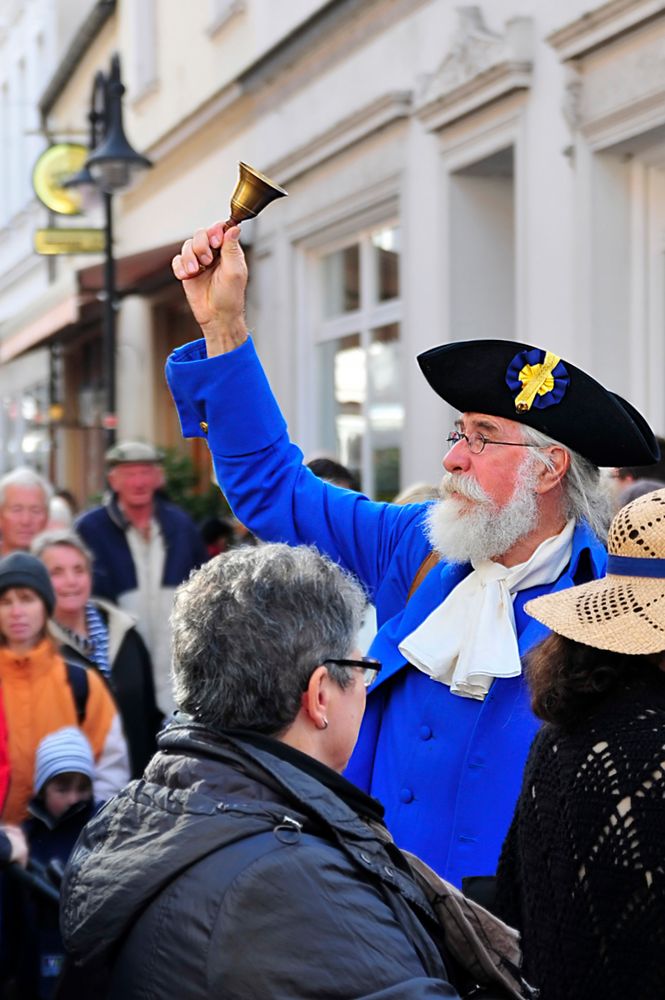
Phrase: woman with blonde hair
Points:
(101, 637)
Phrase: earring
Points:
(324, 724)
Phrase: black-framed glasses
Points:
(369, 667)
(476, 441)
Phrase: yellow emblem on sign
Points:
(56, 165)
(537, 380)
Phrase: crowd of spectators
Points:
(85, 655)
(85, 666)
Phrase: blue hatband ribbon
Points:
(537, 379)
(636, 566)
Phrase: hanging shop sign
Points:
(70, 240)
(55, 166)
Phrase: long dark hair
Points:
(568, 679)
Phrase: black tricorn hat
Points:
(535, 387)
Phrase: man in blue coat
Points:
(143, 547)
(448, 723)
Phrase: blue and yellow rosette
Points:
(538, 378)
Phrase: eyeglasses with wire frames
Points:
(369, 667)
(476, 441)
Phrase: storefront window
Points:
(24, 428)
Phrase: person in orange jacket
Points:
(13, 845)
(42, 693)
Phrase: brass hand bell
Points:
(251, 195)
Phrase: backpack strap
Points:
(428, 563)
(77, 678)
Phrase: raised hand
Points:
(215, 285)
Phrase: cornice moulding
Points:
(603, 25)
(632, 119)
(490, 86)
(185, 130)
(357, 211)
(359, 125)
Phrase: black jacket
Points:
(32, 936)
(581, 873)
(230, 872)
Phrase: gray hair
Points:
(587, 495)
(63, 536)
(24, 476)
(250, 627)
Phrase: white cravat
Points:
(470, 638)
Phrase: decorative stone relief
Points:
(572, 98)
(480, 60)
(616, 70)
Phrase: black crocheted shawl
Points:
(582, 871)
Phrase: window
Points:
(359, 395)
(24, 425)
(144, 33)
(5, 153)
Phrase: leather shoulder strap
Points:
(428, 563)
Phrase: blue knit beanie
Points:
(61, 752)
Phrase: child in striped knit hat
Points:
(64, 769)
(62, 805)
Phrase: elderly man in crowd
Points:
(143, 547)
(448, 723)
(24, 500)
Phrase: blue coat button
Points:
(425, 733)
(406, 795)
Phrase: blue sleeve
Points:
(261, 472)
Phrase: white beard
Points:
(481, 529)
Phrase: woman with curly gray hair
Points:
(244, 864)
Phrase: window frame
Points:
(370, 316)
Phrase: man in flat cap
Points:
(448, 723)
(143, 548)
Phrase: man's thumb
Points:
(231, 243)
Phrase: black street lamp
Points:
(111, 166)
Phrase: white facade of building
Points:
(495, 170)
(34, 35)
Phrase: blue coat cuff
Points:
(230, 386)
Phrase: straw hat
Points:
(625, 611)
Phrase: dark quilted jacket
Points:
(231, 873)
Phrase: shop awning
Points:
(55, 310)
(63, 306)
(138, 273)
